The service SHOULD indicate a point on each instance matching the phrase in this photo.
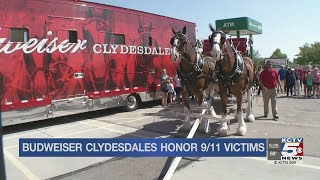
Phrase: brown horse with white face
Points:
(235, 76)
(196, 73)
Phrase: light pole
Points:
(251, 46)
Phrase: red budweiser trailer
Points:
(62, 57)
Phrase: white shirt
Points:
(177, 79)
(170, 88)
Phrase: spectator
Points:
(177, 88)
(305, 74)
(309, 82)
(301, 75)
(297, 88)
(316, 80)
(164, 87)
(287, 67)
(282, 73)
(290, 81)
(269, 80)
(170, 89)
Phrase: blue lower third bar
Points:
(160, 147)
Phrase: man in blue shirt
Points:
(282, 74)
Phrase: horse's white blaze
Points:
(175, 42)
(216, 50)
(217, 40)
(174, 54)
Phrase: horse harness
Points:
(197, 69)
(229, 79)
(198, 66)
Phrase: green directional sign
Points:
(242, 25)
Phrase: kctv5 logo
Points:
(292, 149)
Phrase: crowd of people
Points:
(291, 81)
(295, 80)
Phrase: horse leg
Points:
(210, 112)
(250, 115)
(186, 123)
(204, 123)
(211, 109)
(242, 127)
(223, 129)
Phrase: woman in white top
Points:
(178, 88)
(170, 89)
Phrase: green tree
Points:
(277, 54)
(309, 54)
(257, 59)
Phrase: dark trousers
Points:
(289, 89)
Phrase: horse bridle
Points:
(220, 44)
(183, 40)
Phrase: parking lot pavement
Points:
(298, 118)
(112, 126)
(244, 169)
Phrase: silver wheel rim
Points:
(131, 102)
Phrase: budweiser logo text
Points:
(34, 45)
(52, 46)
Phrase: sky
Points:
(286, 24)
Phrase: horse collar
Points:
(186, 77)
(230, 78)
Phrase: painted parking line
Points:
(110, 124)
(78, 132)
(113, 130)
(8, 137)
(33, 132)
(26, 171)
(65, 135)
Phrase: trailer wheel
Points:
(132, 103)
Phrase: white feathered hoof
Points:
(251, 118)
(242, 130)
(223, 131)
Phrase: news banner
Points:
(277, 150)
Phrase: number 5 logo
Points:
(289, 149)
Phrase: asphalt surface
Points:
(299, 117)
